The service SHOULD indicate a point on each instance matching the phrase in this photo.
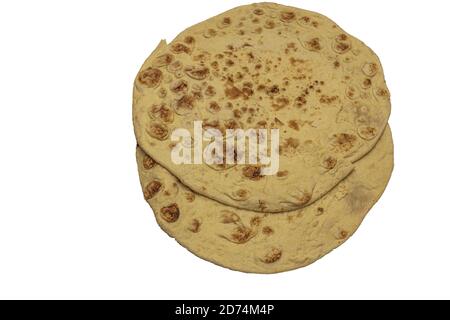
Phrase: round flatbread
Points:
(260, 242)
(264, 66)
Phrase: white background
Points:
(73, 222)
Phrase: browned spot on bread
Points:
(328, 99)
(295, 62)
(231, 124)
(269, 24)
(214, 107)
(241, 234)
(367, 133)
(158, 130)
(237, 113)
(190, 40)
(194, 226)
(293, 124)
(273, 90)
(162, 92)
(202, 57)
(342, 44)
(343, 142)
(184, 104)
(230, 217)
(262, 124)
(148, 162)
(291, 143)
(305, 19)
(272, 256)
(210, 33)
(342, 235)
(258, 31)
(342, 37)
(280, 103)
(262, 205)
(232, 92)
(281, 174)
(258, 12)
(329, 163)
(174, 66)
(226, 21)
(197, 72)
(300, 101)
(287, 16)
(215, 65)
(351, 92)
(180, 48)
(152, 189)
(247, 91)
(255, 221)
(252, 172)
(207, 124)
(171, 213)
(229, 63)
(242, 194)
(151, 77)
(197, 93)
(190, 197)
(179, 86)
(163, 60)
(370, 69)
(384, 93)
(367, 83)
(163, 113)
(313, 44)
(267, 231)
(210, 91)
(304, 198)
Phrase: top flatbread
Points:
(265, 66)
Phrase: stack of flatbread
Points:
(261, 67)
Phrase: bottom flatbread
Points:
(262, 242)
